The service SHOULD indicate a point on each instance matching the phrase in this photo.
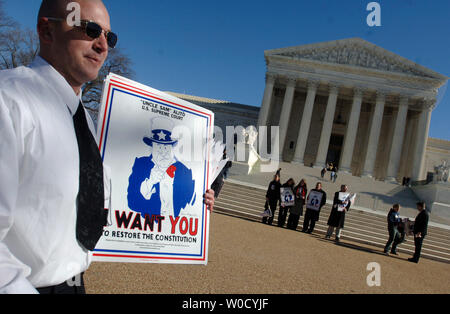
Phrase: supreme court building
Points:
(352, 103)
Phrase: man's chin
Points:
(90, 74)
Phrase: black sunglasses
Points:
(94, 31)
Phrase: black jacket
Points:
(393, 219)
(421, 223)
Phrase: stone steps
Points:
(248, 203)
(256, 197)
(370, 193)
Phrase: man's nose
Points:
(101, 44)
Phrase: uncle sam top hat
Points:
(161, 130)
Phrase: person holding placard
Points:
(314, 203)
(341, 205)
(272, 197)
(296, 211)
(53, 187)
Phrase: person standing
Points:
(300, 192)
(313, 213)
(341, 205)
(420, 231)
(333, 173)
(272, 197)
(393, 220)
(282, 214)
(323, 172)
(335, 169)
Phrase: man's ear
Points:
(45, 30)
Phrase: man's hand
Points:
(147, 189)
(209, 199)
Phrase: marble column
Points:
(352, 129)
(305, 123)
(374, 135)
(267, 100)
(286, 113)
(397, 140)
(421, 144)
(327, 127)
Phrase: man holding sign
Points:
(287, 201)
(52, 195)
(341, 204)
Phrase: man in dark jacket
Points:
(312, 213)
(341, 205)
(393, 220)
(419, 231)
(273, 197)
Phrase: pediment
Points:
(356, 52)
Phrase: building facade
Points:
(352, 103)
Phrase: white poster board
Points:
(158, 149)
(345, 198)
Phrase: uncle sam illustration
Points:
(160, 184)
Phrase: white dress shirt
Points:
(39, 180)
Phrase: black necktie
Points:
(91, 214)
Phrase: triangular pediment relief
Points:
(356, 52)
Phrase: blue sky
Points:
(215, 49)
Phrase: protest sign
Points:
(314, 200)
(158, 149)
(344, 198)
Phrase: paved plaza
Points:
(249, 257)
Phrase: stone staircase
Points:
(247, 202)
(378, 196)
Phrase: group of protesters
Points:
(342, 202)
(302, 198)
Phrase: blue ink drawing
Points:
(159, 184)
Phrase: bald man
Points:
(53, 188)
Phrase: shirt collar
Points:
(57, 82)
